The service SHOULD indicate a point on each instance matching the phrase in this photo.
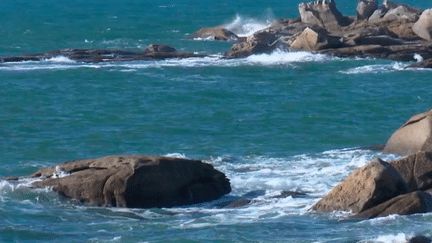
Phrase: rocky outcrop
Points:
(423, 27)
(215, 33)
(135, 181)
(414, 135)
(324, 14)
(260, 42)
(371, 185)
(152, 52)
(379, 189)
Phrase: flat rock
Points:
(366, 187)
(136, 181)
(215, 33)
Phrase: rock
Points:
(367, 187)
(423, 64)
(416, 170)
(365, 8)
(239, 203)
(260, 42)
(135, 181)
(423, 27)
(216, 33)
(159, 48)
(420, 239)
(415, 202)
(324, 14)
(312, 40)
(152, 52)
(415, 135)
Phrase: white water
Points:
(244, 26)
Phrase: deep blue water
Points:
(283, 121)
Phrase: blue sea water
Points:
(271, 122)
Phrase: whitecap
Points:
(60, 59)
(244, 26)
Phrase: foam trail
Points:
(379, 68)
(281, 57)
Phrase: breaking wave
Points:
(243, 26)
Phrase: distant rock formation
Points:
(152, 52)
(136, 181)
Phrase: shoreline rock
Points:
(136, 181)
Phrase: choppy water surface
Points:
(271, 122)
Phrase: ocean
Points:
(284, 121)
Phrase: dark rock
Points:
(415, 202)
(153, 52)
(415, 135)
(423, 27)
(423, 64)
(365, 8)
(324, 14)
(420, 239)
(136, 181)
(260, 42)
(416, 170)
(216, 33)
(367, 187)
(152, 48)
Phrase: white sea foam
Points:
(378, 68)
(60, 59)
(399, 238)
(279, 57)
(244, 26)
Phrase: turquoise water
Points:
(274, 122)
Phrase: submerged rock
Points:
(136, 181)
(414, 135)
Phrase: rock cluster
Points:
(391, 30)
(135, 181)
(382, 188)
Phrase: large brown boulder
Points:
(416, 170)
(415, 202)
(415, 135)
(423, 27)
(318, 39)
(369, 186)
(135, 181)
(323, 14)
(215, 33)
